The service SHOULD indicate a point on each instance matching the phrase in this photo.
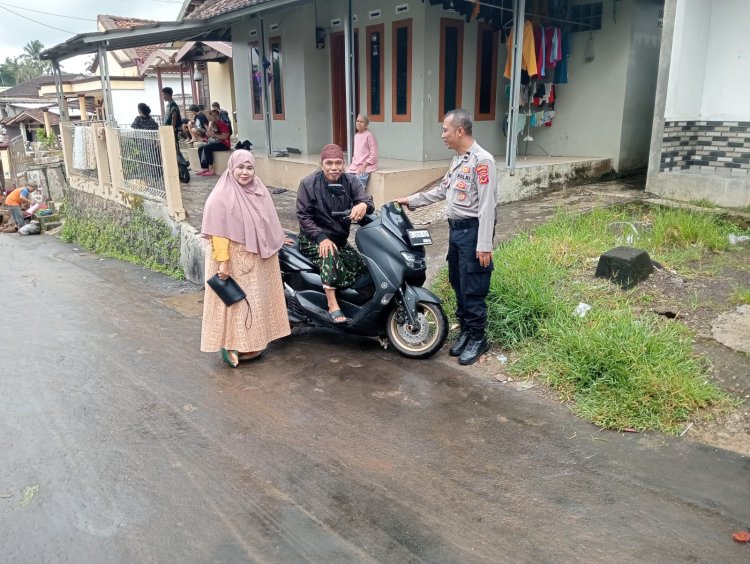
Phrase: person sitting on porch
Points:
(144, 119)
(323, 237)
(17, 199)
(365, 154)
(198, 126)
(218, 140)
(223, 115)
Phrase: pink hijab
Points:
(244, 214)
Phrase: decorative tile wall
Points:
(707, 147)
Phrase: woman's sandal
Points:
(249, 356)
(232, 358)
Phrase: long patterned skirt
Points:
(235, 327)
(338, 270)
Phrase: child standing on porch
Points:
(365, 154)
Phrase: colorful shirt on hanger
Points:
(561, 69)
(541, 54)
(528, 52)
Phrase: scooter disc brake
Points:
(412, 337)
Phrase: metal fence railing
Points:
(142, 169)
(81, 136)
(17, 150)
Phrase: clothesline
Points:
(546, 18)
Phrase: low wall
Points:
(703, 160)
(531, 181)
(384, 185)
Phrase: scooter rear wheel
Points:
(423, 342)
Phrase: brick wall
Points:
(708, 147)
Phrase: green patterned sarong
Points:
(340, 269)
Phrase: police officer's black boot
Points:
(476, 347)
(463, 339)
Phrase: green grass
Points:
(619, 368)
(741, 296)
(123, 233)
(622, 371)
(703, 203)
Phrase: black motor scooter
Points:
(183, 167)
(388, 301)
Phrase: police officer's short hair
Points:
(167, 90)
(461, 118)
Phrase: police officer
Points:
(470, 188)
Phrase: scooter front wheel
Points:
(422, 341)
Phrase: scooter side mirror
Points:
(336, 189)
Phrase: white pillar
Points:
(511, 147)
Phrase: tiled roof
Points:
(30, 88)
(116, 22)
(27, 116)
(210, 9)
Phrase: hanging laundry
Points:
(528, 52)
(561, 69)
(521, 124)
(551, 94)
(540, 50)
(551, 40)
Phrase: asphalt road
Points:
(121, 442)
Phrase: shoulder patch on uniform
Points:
(483, 174)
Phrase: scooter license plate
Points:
(419, 237)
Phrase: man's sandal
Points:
(230, 357)
(336, 314)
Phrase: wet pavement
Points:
(122, 443)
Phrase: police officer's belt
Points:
(463, 223)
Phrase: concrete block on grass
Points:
(625, 266)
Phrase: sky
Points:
(19, 24)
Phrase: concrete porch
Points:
(534, 176)
(395, 178)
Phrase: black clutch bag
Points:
(228, 290)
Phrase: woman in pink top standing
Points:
(365, 155)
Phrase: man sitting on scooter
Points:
(323, 236)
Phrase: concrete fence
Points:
(117, 162)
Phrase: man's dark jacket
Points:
(315, 202)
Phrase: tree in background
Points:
(9, 72)
(26, 66)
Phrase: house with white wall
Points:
(700, 146)
(604, 110)
(128, 85)
(411, 61)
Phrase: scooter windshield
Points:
(395, 220)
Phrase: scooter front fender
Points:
(415, 294)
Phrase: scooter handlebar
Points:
(341, 213)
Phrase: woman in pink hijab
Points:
(245, 234)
